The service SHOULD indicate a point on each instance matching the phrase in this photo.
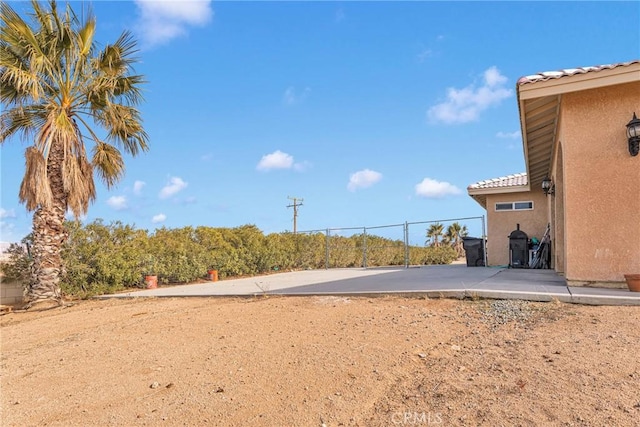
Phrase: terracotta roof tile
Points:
(514, 180)
(548, 75)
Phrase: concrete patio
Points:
(454, 281)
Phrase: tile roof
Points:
(548, 75)
(514, 180)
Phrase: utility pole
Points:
(295, 211)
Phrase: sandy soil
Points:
(317, 361)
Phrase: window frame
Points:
(513, 207)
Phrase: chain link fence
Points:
(383, 245)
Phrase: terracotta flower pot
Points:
(212, 275)
(151, 281)
(633, 282)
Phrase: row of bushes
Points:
(103, 258)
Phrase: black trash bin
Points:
(474, 251)
(518, 249)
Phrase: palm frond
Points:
(125, 127)
(77, 175)
(24, 56)
(22, 120)
(129, 88)
(108, 163)
(42, 17)
(85, 37)
(118, 58)
(34, 189)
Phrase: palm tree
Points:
(433, 234)
(453, 236)
(60, 93)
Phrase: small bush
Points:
(18, 266)
(440, 255)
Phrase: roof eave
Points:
(480, 194)
(498, 190)
(523, 133)
(530, 91)
(481, 200)
(577, 82)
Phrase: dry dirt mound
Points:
(321, 361)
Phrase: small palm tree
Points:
(454, 236)
(60, 94)
(434, 232)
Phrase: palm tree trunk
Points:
(49, 235)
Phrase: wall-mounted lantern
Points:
(633, 133)
(548, 187)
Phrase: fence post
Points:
(326, 250)
(484, 245)
(364, 247)
(406, 244)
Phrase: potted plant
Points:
(633, 282)
(149, 272)
(212, 274)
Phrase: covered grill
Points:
(518, 249)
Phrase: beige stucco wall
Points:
(10, 292)
(601, 185)
(556, 215)
(501, 223)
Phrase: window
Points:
(504, 206)
(514, 206)
(523, 206)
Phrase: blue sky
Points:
(374, 113)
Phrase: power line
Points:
(295, 211)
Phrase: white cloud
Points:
(163, 20)
(432, 189)
(174, 186)
(363, 179)
(158, 218)
(465, 105)
(275, 160)
(137, 187)
(117, 202)
(291, 97)
(492, 77)
(510, 135)
(7, 213)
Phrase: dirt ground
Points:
(314, 361)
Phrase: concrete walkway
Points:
(456, 281)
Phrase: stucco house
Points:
(575, 125)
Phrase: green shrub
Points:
(18, 266)
(382, 251)
(282, 250)
(439, 255)
(102, 258)
(310, 250)
(178, 255)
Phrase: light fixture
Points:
(633, 133)
(547, 186)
